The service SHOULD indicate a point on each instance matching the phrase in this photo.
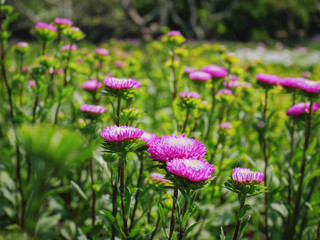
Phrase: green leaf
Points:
(58, 190)
(243, 211)
(163, 218)
(190, 229)
(127, 200)
(188, 214)
(222, 236)
(76, 186)
(244, 223)
(174, 236)
(113, 221)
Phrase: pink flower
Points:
(73, 47)
(199, 76)
(118, 64)
(149, 138)
(22, 44)
(42, 25)
(225, 91)
(290, 82)
(174, 33)
(215, 71)
(93, 109)
(32, 83)
(225, 125)
(245, 175)
(121, 83)
(189, 70)
(121, 133)
(302, 108)
(63, 21)
(158, 177)
(192, 169)
(102, 51)
(91, 85)
(269, 79)
(24, 69)
(189, 95)
(58, 71)
(309, 86)
(170, 147)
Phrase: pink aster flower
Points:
(32, 83)
(290, 82)
(118, 64)
(225, 91)
(189, 70)
(94, 109)
(42, 25)
(245, 175)
(73, 47)
(174, 33)
(63, 21)
(225, 125)
(302, 108)
(22, 45)
(189, 95)
(102, 51)
(170, 147)
(149, 138)
(309, 86)
(269, 79)
(24, 69)
(91, 85)
(199, 76)
(215, 71)
(192, 169)
(121, 133)
(120, 83)
(158, 177)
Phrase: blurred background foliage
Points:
(257, 20)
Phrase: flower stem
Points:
(114, 202)
(118, 111)
(43, 48)
(296, 211)
(213, 95)
(173, 220)
(138, 191)
(236, 231)
(173, 69)
(93, 206)
(186, 121)
(34, 111)
(122, 177)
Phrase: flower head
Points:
(199, 76)
(120, 83)
(290, 82)
(189, 95)
(91, 85)
(63, 21)
(121, 133)
(170, 147)
(268, 79)
(189, 70)
(73, 47)
(93, 109)
(174, 33)
(32, 83)
(22, 45)
(302, 108)
(215, 71)
(158, 177)
(225, 125)
(192, 169)
(149, 138)
(118, 64)
(102, 51)
(309, 86)
(245, 175)
(42, 25)
(224, 91)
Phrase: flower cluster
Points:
(215, 71)
(91, 85)
(302, 108)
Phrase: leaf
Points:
(127, 200)
(189, 212)
(174, 236)
(58, 190)
(163, 218)
(222, 236)
(113, 221)
(244, 210)
(76, 186)
(244, 223)
(190, 229)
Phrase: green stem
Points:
(213, 95)
(173, 220)
(122, 185)
(236, 231)
(93, 206)
(186, 121)
(118, 111)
